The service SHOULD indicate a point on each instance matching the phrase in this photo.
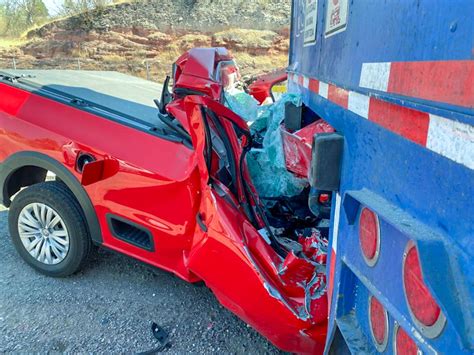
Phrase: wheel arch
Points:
(30, 168)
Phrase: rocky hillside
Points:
(132, 37)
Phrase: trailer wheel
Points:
(48, 229)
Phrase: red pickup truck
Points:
(167, 185)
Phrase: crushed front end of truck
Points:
(261, 235)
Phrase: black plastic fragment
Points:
(293, 117)
(159, 333)
(163, 338)
(326, 162)
(201, 223)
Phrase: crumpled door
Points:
(279, 296)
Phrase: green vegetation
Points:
(11, 42)
(73, 7)
(18, 15)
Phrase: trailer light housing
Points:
(378, 321)
(403, 344)
(425, 312)
(369, 236)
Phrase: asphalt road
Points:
(109, 307)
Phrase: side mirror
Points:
(166, 96)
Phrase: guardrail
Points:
(152, 70)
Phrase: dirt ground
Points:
(109, 307)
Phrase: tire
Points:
(63, 248)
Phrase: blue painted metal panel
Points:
(418, 194)
(384, 31)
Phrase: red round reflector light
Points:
(424, 310)
(323, 198)
(403, 344)
(378, 320)
(369, 236)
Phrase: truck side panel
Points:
(397, 81)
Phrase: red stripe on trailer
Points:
(338, 96)
(406, 122)
(314, 85)
(300, 80)
(450, 82)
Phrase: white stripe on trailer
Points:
(451, 139)
(335, 228)
(305, 82)
(323, 89)
(359, 104)
(375, 76)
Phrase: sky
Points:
(51, 5)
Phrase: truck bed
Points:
(126, 98)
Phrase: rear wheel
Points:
(48, 229)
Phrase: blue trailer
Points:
(396, 80)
